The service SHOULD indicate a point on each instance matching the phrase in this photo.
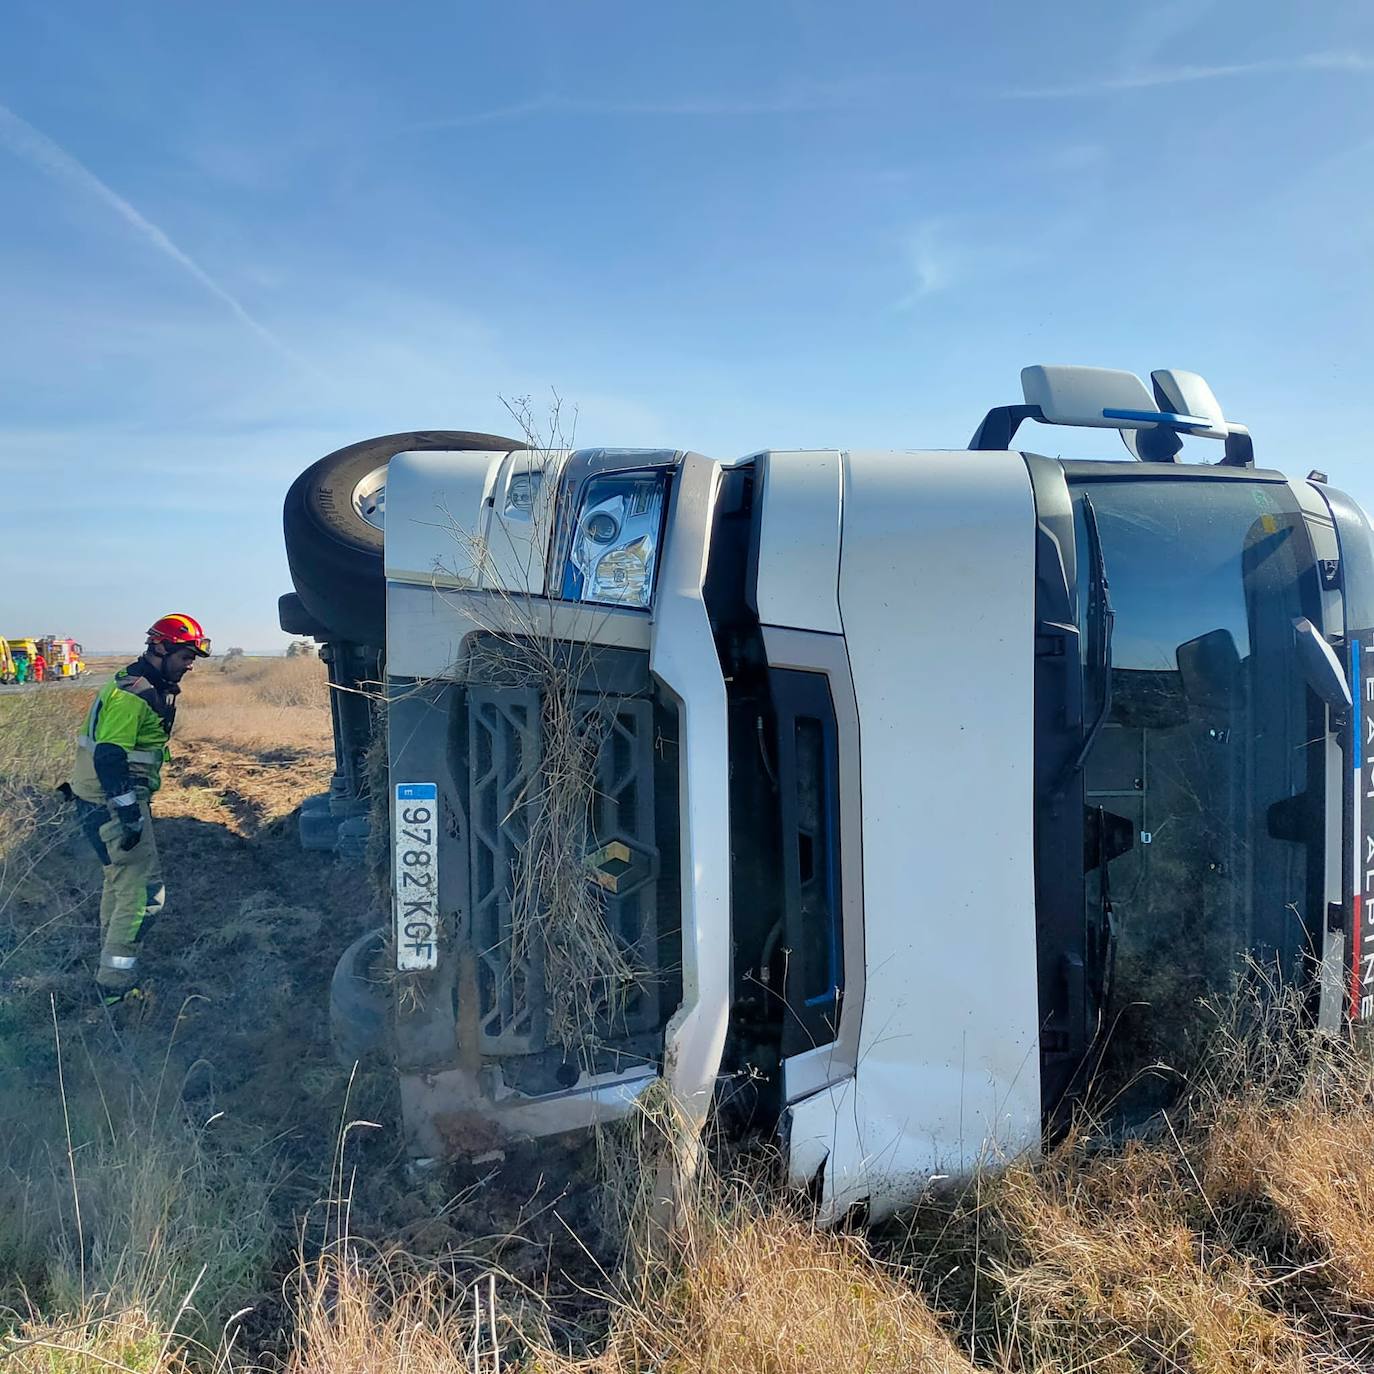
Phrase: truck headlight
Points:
(615, 539)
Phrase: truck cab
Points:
(878, 800)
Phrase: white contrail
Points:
(812, 97)
(1353, 62)
(36, 148)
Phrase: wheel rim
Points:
(369, 498)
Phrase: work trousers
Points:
(132, 893)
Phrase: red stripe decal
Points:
(1355, 959)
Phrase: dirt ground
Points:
(237, 969)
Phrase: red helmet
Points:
(182, 631)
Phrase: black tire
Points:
(334, 555)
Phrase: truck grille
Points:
(504, 766)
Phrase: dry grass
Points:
(751, 1293)
(131, 1224)
(1315, 1169)
(761, 1292)
(1231, 1244)
(1236, 1238)
(1287, 1159)
(297, 681)
(141, 1217)
(37, 734)
(257, 704)
(95, 1339)
(1110, 1270)
(385, 1315)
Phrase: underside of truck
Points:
(884, 804)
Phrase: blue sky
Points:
(234, 237)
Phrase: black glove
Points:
(130, 817)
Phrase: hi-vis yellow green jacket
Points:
(132, 715)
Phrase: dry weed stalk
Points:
(96, 1338)
(558, 915)
(392, 1311)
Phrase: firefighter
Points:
(118, 768)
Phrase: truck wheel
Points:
(334, 518)
(360, 1000)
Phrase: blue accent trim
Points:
(417, 791)
(1357, 691)
(1160, 417)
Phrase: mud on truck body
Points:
(920, 786)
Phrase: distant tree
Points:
(235, 652)
(300, 648)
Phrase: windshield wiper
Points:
(1106, 626)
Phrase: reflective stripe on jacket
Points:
(134, 711)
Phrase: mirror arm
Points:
(1000, 425)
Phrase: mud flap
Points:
(360, 1001)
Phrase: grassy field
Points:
(208, 1190)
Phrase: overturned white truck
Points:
(920, 787)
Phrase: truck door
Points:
(795, 797)
(895, 595)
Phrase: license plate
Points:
(415, 830)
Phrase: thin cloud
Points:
(950, 254)
(1153, 77)
(797, 102)
(813, 98)
(934, 261)
(50, 158)
(498, 114)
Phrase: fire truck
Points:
(63, 656)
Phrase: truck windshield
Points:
(1203, 821)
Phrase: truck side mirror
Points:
(1320, 666)
(1186, 393)
(1210, 668)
